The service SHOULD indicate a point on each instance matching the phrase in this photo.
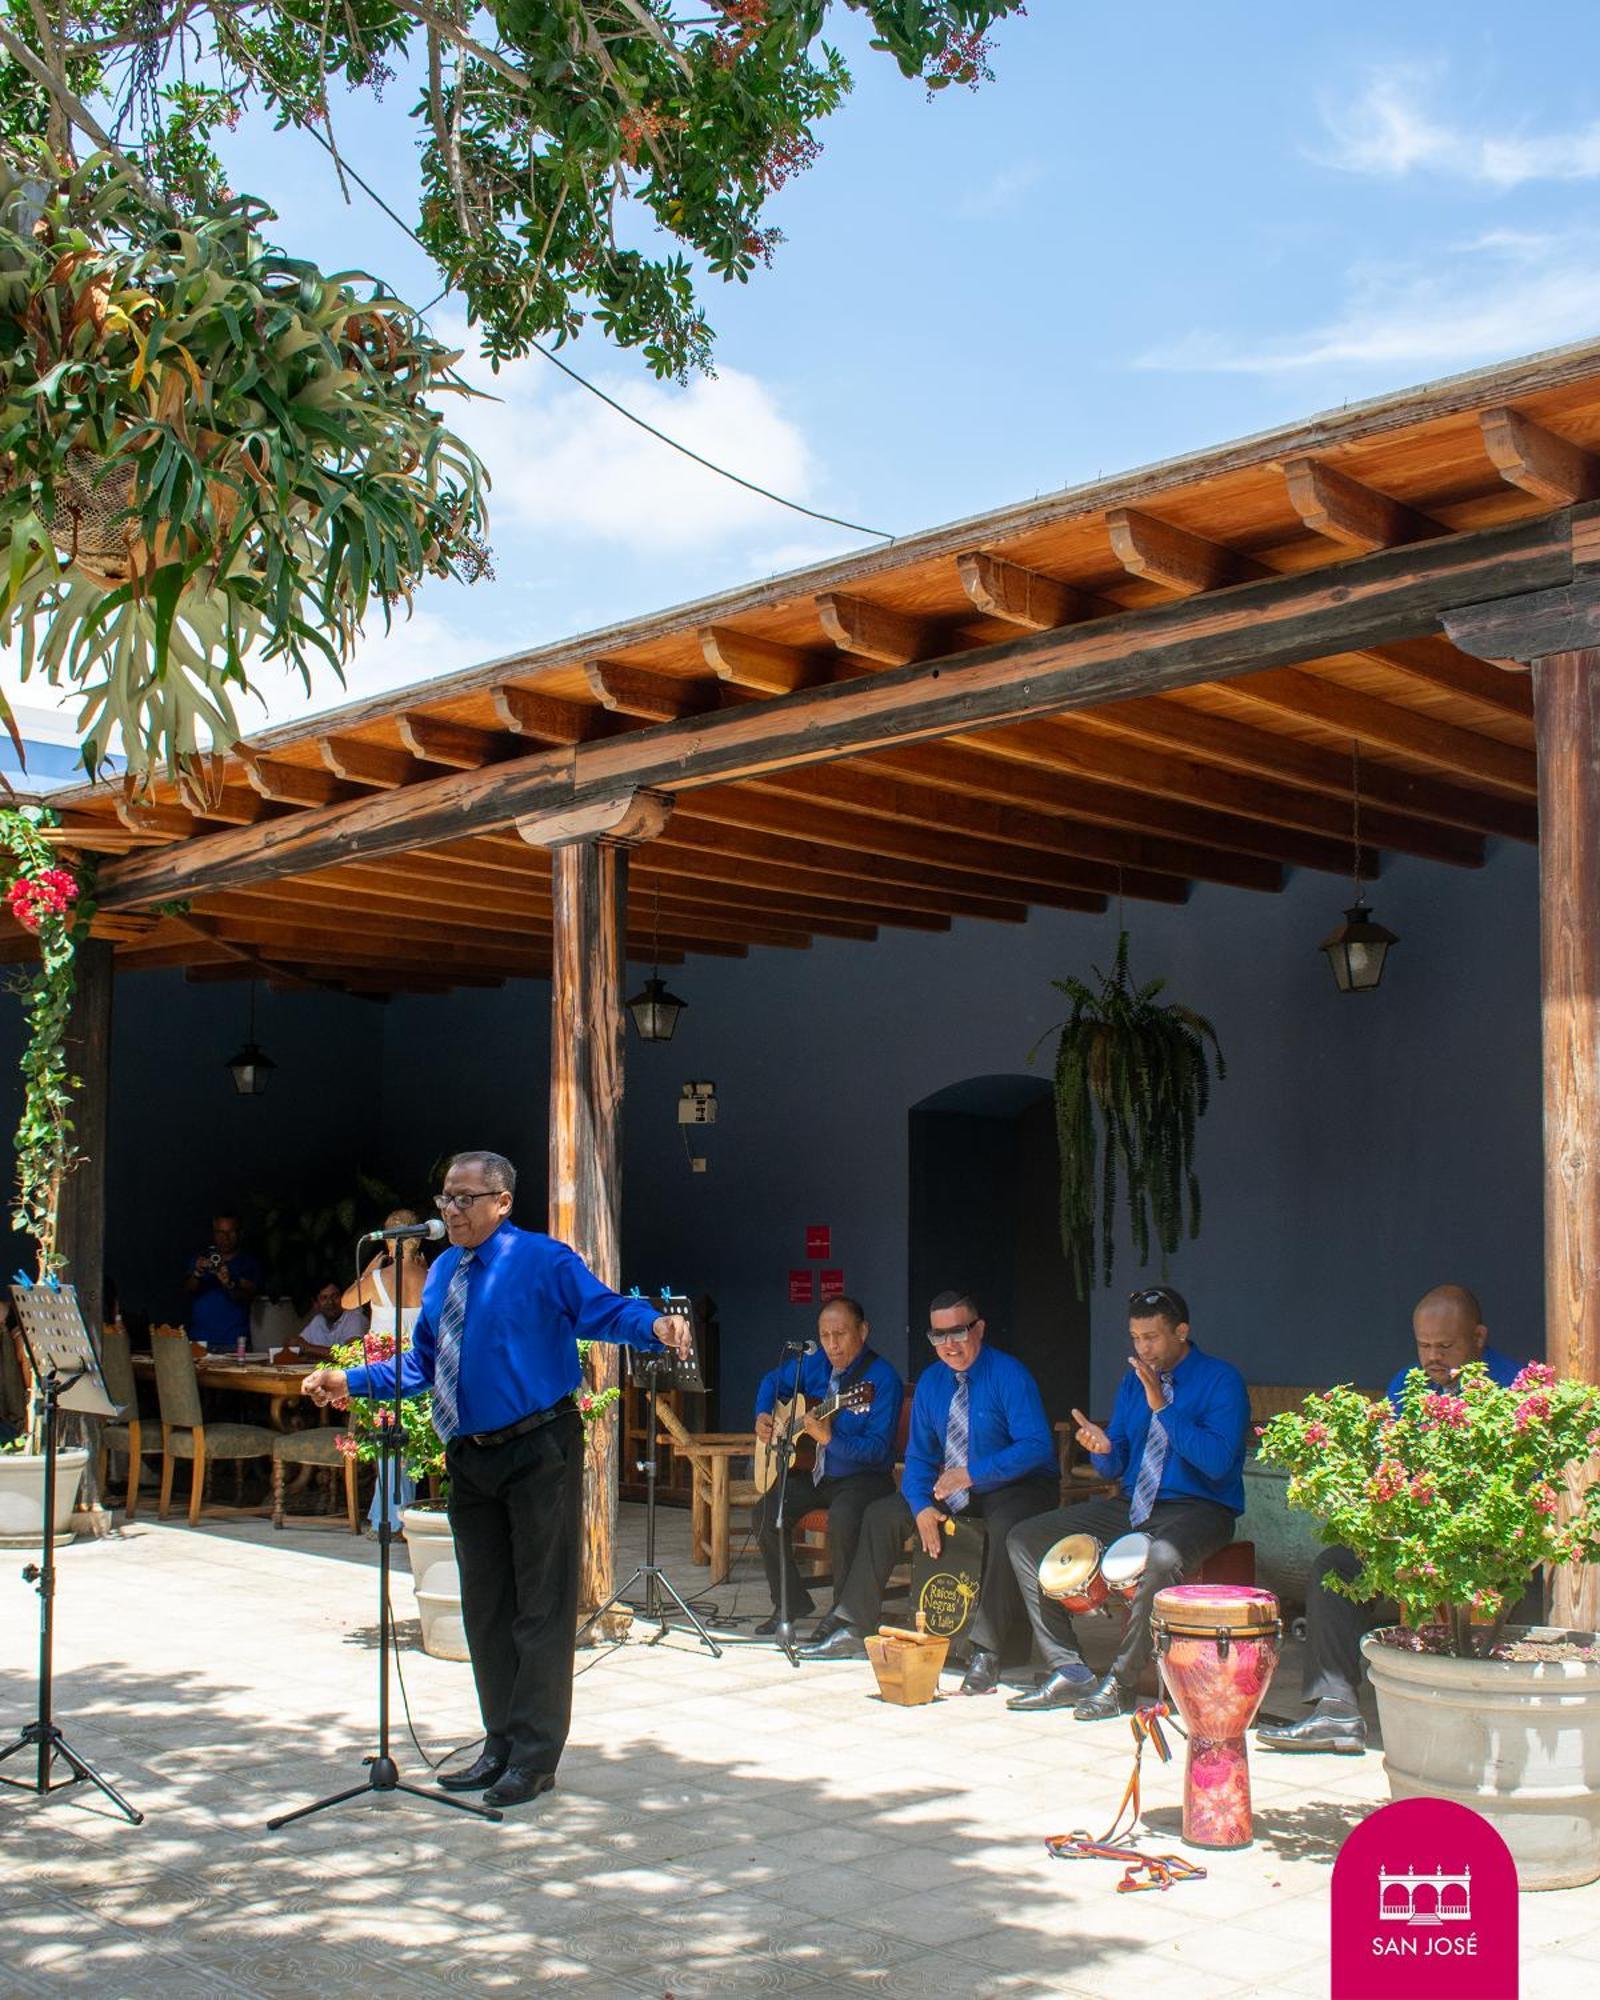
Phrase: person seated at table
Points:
(1176, 1440)
(222, 1281)
(1449, 1331)
(980, 1447)
(854, 1452)
(330, 1323)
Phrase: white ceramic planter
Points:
(1516, 1740)
(22, 1496)
(432, 1550)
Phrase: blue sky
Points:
(1153, 231)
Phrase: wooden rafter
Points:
(1023, 596)
(1528, 455)
(1331, 503)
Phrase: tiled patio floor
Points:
(721, 1826)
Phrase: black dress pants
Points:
(515, 1509)
(884, 1533)
(846, 1500)
(1182, 1534)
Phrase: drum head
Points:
(1124, 1561)
(1068, 1566)
(1211, 1607)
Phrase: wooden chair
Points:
(715, 1492)
(320, 1448)
(128, 1435)
(184, 1430)
(1079, 1480)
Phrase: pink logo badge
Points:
(1424, 1907)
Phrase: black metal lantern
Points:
(251, 1069)
(655, 1011)
(1357, 949)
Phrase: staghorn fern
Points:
(1145, 1069)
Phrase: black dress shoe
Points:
(1105, 1699)
(824, 1628)
(1344, 1735)
(519, 1783)
(768, 1628)
(983, 1673)
(1062, 1688)
(473, 1779)
(842, 1644)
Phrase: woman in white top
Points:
(399, 1265)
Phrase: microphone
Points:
(417, 1232)
(799, 1347)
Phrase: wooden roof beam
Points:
(1024, 597)
(542, 718)
(155, 821)
(1525, 454)
(1381, 725)
(748, 661)
(289, 784)
(633, 691)
(1437, 664)
(456, 745)
(875, 632)
(1334, 505)
(376, 765)
(1173, 557)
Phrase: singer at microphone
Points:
(496, 1342)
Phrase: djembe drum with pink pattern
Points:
(1217, 1644)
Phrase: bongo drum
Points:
(1123, 1564)
(1070, 1573)
(1217, 1644)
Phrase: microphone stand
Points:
(383, 1774)
(786, 1447)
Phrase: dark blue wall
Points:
(1361, 1149)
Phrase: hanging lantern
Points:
(251, 1069)
(655, 1011)
(1358, 948)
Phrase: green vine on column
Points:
(54, 903)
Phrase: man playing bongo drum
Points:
(1176, 1440)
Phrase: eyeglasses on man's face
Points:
(460, 1203)
(940, 1334)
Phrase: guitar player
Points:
(851, 1460)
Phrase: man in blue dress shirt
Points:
(854, 1462)
(496, 1341)
(223, 1281)
(1176, 1440)
(1449, 1330)
(980, 1447)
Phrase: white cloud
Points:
(1002, 191)
(1390, 129)
(565, 466)
(1505, 293)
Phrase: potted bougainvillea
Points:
(1452, 1503)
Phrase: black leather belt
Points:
(522, 1426)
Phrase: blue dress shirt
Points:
(863, 1440)
(1009, 1435)
(1501, 1367)
(530, 1300)
(214, 1317)
(1207, 1424)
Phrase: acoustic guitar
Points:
(857, 1397)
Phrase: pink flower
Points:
(1535, 1375)
(345, 1443)
(1534, 1410)
(1422, 1489)
(1444, 1409)
(1544, 1500)
(1316, 1433)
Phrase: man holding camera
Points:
(222, 1281)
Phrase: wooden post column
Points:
(1566, 696)
(1557, 634)
(589, 868)
(81, 1226)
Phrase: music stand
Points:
(654, 1367)
(66, 1372)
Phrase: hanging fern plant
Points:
(1132, 1079)
(211, 455)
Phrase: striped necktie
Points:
(817, 1473)
(956, 1435)
(447, 1354)
(1151, 1464)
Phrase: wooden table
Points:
(716, 1491)
(255, 1376)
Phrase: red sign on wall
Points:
(830, 1285)
(819, 1240)
(800, 1288)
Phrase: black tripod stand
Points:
(44, 1734)
(383, 1774)
(657, 1584)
